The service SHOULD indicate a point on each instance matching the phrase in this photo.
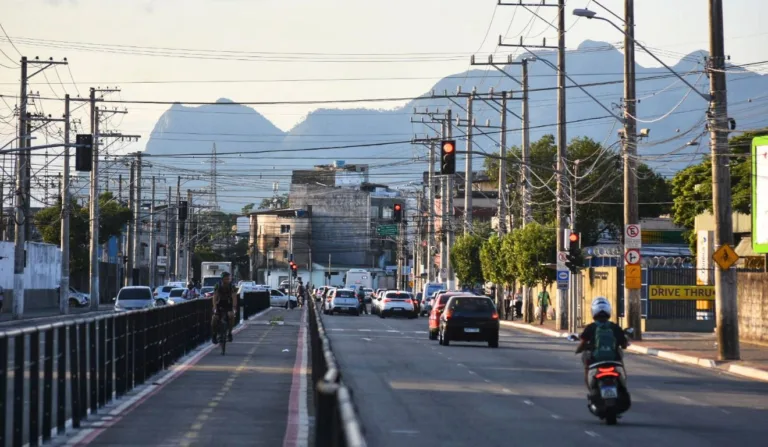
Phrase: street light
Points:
(586, 13)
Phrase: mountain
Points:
(666, 106)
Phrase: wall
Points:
(753, 306)
(41, 276)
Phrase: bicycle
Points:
(223, 328)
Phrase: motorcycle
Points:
(608, 396)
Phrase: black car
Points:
(469, 318)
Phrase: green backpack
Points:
(605, 343)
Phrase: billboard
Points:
(760, 194)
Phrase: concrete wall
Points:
(753, 306)
(41, 276)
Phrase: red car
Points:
(437, 309)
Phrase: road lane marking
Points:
(591, 433)
(527, 402)
(471, 372)
(366, 339)
(555, 416)
(461, 364)
(404, 432)
(297, 423)
(725, 411)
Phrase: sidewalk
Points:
(256, 394)
(683, 347)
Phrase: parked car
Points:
(342, 301)
(176, 296)
(78, 298)
(280, 299)
(134, 298)
(438, 304)
(396, 303)
(469, 318)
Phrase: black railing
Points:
(336, 420)
(106, 356)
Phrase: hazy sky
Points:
(303, 39)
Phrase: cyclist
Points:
(190, 293)
(224, 300)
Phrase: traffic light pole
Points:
(572, 304)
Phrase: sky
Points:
(399, 48)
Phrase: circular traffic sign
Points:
(562, 257)
(633, 231)
(632, 256)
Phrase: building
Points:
(275, 236)
(350, 216)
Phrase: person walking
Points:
(543, 303)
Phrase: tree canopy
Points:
(274, 203)
(528, 250)
(465, 259)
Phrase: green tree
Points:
(692, 186)
(274, 203)
(248, 208)
(490, 253)
(529, 250)
(112, 218)
(465, 259)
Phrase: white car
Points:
(135, 298)
(176, 296)
(162, 292)
(341, 301)
(396, 303)
(181, 284)
(78, 298)
(280, 299)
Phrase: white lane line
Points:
(392, 330)
(337, 329)
(725, 411)
(527, 402)
(366, 339)
(404, 432)
(487, 381)
(555, 416)
(591, 433)
(461, 364)
(364, 330)
(506, 390)
(471, 372)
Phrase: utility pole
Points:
(20, 253)
(572, 305)
(177, 248)
(152, 239)
(168, 258)
(94, 205)
(468, 169)
(187, 238)
(501, 202)
(129, 240)
(64, 283)
(562, 150)
(449, 189)
(727, 329)
(526, 176)
(137, 222)
(632, 311)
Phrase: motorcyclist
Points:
(361, 300)
(224, 300)
(602, 338)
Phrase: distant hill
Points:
(235, 129)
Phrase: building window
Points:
(374, 212)
(386, 212)
(285, 229)
(285, 254)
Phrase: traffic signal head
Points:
(84, 152)
(397, 212)
(574, 238)
(448, 157)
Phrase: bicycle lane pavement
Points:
(254, 395)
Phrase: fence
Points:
(88, 363)
(336, 421)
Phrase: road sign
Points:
(562, 279)
(562, 256)
(632, 256)
(725, 257)
(387, 230)
(633, 276)
(632, 236)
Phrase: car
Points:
(176, 296)
(439, 300)
(396, 303)
(469, 318)
(321, 292)
(206, 292)
(181, 284)
(162, 292)
(368, 295)
(78, 298)
(280, 299)
(134, 298)
(342, 301)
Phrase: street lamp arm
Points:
(707, 97)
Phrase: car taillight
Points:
(606, 372)
(155, 293)
(495, 316)
(447, 314)
(385, 300)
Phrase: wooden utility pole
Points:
(65, 203)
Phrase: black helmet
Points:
(190, 285)
(224, 275)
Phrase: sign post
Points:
(563, 275)
(633, 242)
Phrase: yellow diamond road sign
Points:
(725, 257)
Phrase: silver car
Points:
(176, 296)
(396, 303)
(162, 292)
(134, 298)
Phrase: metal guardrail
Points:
(336, 420)
(88, 363)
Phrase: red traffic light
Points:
(449, 147)
(574, 237)
(398, 207)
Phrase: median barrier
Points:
(86, 364)
(336, 420)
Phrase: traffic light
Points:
(183, 210)
(574, 258)
(294, 269)
(84, 152)
(448, 157)
(277, 242)
(398, 212)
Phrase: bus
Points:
(357, 278)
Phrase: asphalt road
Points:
(410, 391)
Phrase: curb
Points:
(739, 370)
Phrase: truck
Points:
(211, 272)
(357, 278)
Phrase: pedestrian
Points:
(543, 303)
(519, 303)
(361, 300)
(300, 293)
